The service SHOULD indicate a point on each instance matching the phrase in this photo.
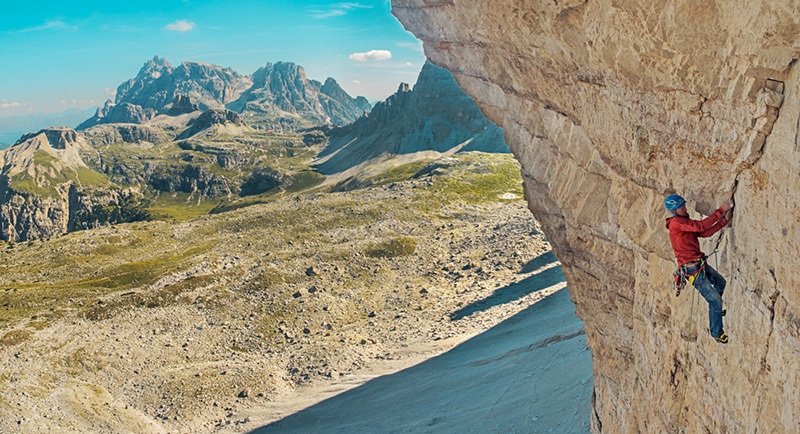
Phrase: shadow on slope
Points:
(538, 262)
(545, 278)
(530, 373)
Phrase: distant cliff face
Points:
(611, 105)
(435, 116)
(39, 197)
(277, 91)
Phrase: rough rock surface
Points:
(56, 137)
(23, 217)
(611, 105)
(124, 112)
(26, 214)
(190, 179)
(129, 133)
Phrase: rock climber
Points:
(683, 234)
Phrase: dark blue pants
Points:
(711, 286)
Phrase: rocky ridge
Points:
(212, 118)
(182, 104)
(611, 105)
(436, 115)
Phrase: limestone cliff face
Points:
(611, 105)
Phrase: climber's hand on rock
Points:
(727, 205)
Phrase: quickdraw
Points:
(687, 272)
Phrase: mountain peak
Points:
(332, 88)
(289, 66)
(154, 68)
(158, 60)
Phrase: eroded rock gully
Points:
(609, 106)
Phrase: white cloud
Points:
(110, 92)
(85, 103)
(371, 56)
(50, 25)
(415, 46)
(180, 26)
(409, 64)
(7, 105)
(329, 14)
(76, 103)
(337, 10)
(356, 81)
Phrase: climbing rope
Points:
(686, 364)
(688, 339)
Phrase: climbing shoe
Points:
(723, 338)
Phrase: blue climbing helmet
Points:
(673, 202)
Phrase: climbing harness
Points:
(687, 272)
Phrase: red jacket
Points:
(683, 234)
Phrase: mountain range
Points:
(277, 93)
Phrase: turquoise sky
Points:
(57, 55)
